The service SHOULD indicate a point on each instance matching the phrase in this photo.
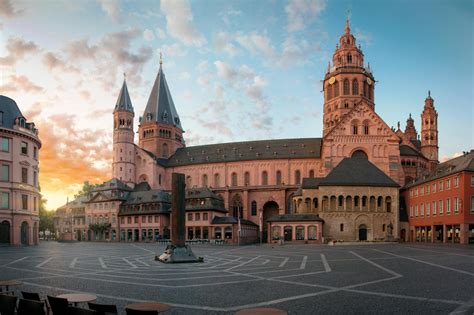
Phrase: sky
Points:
(237, 70)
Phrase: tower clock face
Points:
(332, 80)
(369, 81)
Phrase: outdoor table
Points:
(149, 306)
(9, 283)
(75, 298)
(261, 311)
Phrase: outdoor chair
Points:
(58, 306)
(30, 307)
(103, 308)
(7, 304)
(136, 312)
(33, 296)
(80, 311)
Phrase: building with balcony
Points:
(19, 171)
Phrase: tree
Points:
(86, 189)
(45, 216)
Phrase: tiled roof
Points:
(150, 196)
(247, 151)
(416, 143)
(123, 101)
(295, 217)
(114, 183)
(455, 165)
(357, 171)
(208, 200)
(10, 111)
(406, 150)
(160, 106)
(231, 220)
(311, 182)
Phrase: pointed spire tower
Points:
(347, 82)
(160, 130)
(123, 165)
(410, 130)
(429, 132)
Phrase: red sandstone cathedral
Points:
(343, 186)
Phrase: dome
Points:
(10, 111)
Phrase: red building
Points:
(440, 205)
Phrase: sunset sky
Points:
(237, 70)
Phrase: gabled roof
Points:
(462, 163)
(357, 171)
(247, 151)
(160, 107)
(148, 196)
(123, 102)
(114, 183)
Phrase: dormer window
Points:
(176, 120)
(149, 116)
(165, 116)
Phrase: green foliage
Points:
(45, 216)
(86, 189)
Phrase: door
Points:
(362, 233)
(5, 232)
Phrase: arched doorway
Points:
(5, 232)
(270, 209)
(289, 208)
(24, 233)
(362, 232)
(288, 233)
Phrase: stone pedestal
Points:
(182, 254)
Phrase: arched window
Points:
(355, 127)
(164, 152)
(311, 173)
(349, 58)
(189, 181)
(278, 178)
(336, 89)
(297, 177)
(346, 87)
(329, 92)
(204, 180)
(355, 87)
(237, 208)
(264, 178)
(366, 127)
(364, 87)
(233, 179)
(370, 92)
(217, 180)
(254, 208)
(247, 178)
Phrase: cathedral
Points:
(343, 186)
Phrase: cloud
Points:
(17, 49)
(179, 22)
(148, 35)
(363, 37)
(173, 50)
(222, 43)
(257, 44)
(299, 12)
(69, 155)
(160, 33)
(111, 8)
(227, 15)
(52, 62)
(19, 82)
(445, 158)
(110, 56)
(7, 10)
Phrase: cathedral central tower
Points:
(347, 81)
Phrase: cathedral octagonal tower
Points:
(160, 130)
(123, 165)
(347, 82)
